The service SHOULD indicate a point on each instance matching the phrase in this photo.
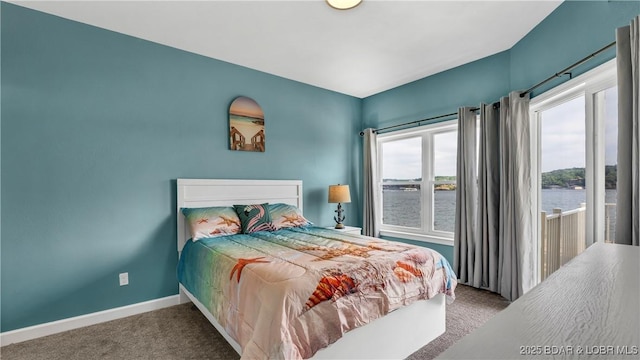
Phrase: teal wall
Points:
(96, 127)
(574, 30)
(482, 80)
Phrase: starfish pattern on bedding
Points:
(293, 220)
(244, 262)
(228, 221)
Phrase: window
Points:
(577, 156)
(608, 102)
(417, 177)
(563, 156)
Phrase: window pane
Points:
(445, 146)
(444, 203)
(401, 205)
(402, 165)
(444, 169)
(563, 160)
(563, 156)
(402, 159)
(611, 161)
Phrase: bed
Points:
(366, 314)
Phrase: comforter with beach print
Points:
(288, 293)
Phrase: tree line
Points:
(561, 178)
(566, 178)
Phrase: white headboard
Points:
(214, 192)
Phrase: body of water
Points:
(567, 199)
(403, 207)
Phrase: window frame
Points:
(589, 85)
(426, 232)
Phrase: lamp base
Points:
(340, 218)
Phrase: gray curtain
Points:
(516, 235)
(488, 198)
(464, 242)
(370, 226)
(496, 252)
(628, 203)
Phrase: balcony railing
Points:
(562, 236)
(609, 222)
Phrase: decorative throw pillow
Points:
(254, 218)
(287, 216)
(211, 222)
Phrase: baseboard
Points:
(54, 327)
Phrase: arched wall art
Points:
(246, 125)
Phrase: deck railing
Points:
(609, 222)
(563, 235)
(562, 238)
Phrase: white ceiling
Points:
(360, 52)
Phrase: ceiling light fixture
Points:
(343, 4)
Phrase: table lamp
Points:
(339, 194)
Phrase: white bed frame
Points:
(394, 336)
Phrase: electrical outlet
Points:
(124, 279)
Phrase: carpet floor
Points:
(182, 332)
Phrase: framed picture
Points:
(246, 125)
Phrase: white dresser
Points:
(587, 309)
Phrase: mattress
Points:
(288, 293)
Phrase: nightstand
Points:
(347, 229)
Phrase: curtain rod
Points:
(411, 123)
(495, 105)
(568, 69)
(558, 74)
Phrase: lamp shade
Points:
(339, 194)
(343, 4)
